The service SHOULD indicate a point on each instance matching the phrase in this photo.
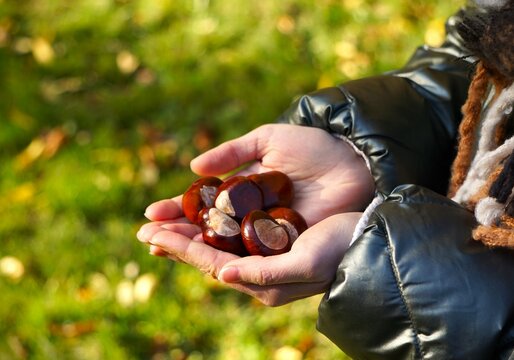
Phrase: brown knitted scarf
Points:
(483, 170)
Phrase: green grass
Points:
(102, 105)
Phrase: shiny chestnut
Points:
(199, 195)
(238, 196)
(277, 188)
(262, 235)
(221, 231)
(292, 221)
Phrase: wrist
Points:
(360, 165)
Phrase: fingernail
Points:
(192, 162)
(157, 251)
(157, 240)
(229, 274)
(149, 212)
(142, 236)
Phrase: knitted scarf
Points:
(483, 170)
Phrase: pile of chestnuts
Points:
(245, 215)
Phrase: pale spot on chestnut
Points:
(208, 194)
(292, 221)
(224, 204)
(238, 196)
(221, 231)
(271, 234)
(199, 196)
(221, 223)
(291, 230)
(262, 235)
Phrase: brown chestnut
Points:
(277, 188)
(293, 222)
(221, 231)
(262, 235)
(200, 195)
(238, 196)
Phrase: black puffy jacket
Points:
(414, 285)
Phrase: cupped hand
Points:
(329, 178)
(328, 175)
(306, 270)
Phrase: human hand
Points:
(328, 176)
(306, 270)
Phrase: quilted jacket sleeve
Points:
(416, 286)
(404, 122)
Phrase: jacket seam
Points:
(417, 341)
(444, 201)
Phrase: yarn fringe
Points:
(467, 130)
(494, 236)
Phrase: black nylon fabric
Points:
(414, 285)
(405, 122)
(417, 286)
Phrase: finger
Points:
(165, 209)
(198, 254)
(277, 295)
(309, 261)
(313, 257)
(157, 251)
(188, 230)
(232, 154)
(272, 270)
(147, 231)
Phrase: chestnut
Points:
(200, 195)
(238, 196)
(262, 235)
(277, 188)
(293, 222)
(221, 231)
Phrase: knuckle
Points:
(212, 268)
(264, 277)
(233, 152)
(265, 130)
(209, 270)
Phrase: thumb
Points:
(231, 154)
(271, 270)
(314, 256)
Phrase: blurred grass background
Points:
(103, 103)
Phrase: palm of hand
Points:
(328, 176)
